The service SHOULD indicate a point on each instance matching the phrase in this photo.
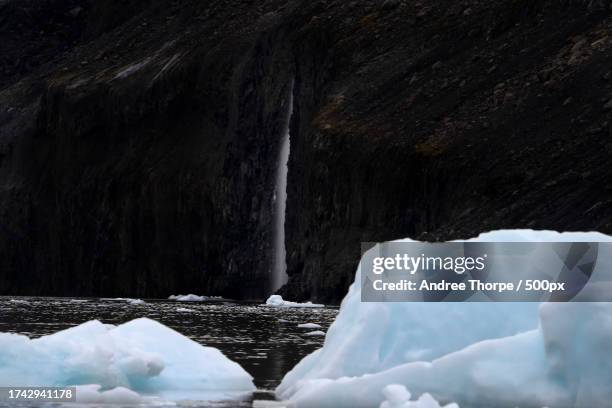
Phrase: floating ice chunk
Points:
(486, 354)
(92, 394)
(309, 326)
(141, 355)
(315, 333)
(185, 310)
(275, 300)
(189, 298)
(278, 301)
(19, 301)
(397, 396)
(131, 301)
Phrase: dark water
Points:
(265, 341)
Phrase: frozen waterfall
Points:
(279, 268)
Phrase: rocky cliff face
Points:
(138, 140)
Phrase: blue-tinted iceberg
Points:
(478, 354)
(142, 355)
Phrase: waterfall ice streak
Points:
(279, 271)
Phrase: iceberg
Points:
(278, 301)
(477, 354)
(142, 356)
(188, 298)
(193, 298)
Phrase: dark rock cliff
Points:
(139, 140)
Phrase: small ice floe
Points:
(283, 321)
(397, 396)
(185, 310)
(78, 300)
(19, 301)
(315, 333)
(138, 357)
(189, 298)
(309, 326)
(131, 301)
(278, 301)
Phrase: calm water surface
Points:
(265, 341)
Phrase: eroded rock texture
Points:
(138, 140)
